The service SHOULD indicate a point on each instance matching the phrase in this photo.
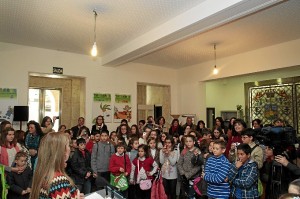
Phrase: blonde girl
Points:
(50, 179)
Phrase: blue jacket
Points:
(244, 180)
(216, 171)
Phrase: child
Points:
(143, 168)
(81, 167)
(168, 158)
(186, 169)
(95, 137)
(216, 172)
(119, 163)
(154, 152)
(243, 174)
(133, 153)
(20, 184)
(113, 138)
(101, 153)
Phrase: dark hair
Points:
(238, 121)
(145, 148)
(198, 125)
(158, 119)
(244, 147)
(296, 183)
(80, 141)
(104, 131)
(137, 130)
(101, 118)
(4, 133)
(37, 127)
(196, 134)
(43, 123)
(221, 143)
(169, 137)
(112, 133)
(258, 121)
(60, 127)
(150, 139)
(221, 121)
(20, 136)
(191, 136)
(21, 154)
(121, 144)
(119, 134)
(95, 132)
(249, 132)
(132, 140)
(142, 121)
(173, 121)
(124, 120)
(231, 126)
(3, 124)
(219, 129)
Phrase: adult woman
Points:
(32, 140)
(236, 139)
(200, 126)
(161, 124)
(8, 149)
(230, 128)
(47, 125)
(99, 125)
(219, 122)
(50, 179)
(175, 128)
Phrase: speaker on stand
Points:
(21, 113)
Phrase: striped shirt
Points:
(216, 171)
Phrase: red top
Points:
(116, 162)
(89, 146)
(146, 164)
(234, 139)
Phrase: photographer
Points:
(292, 167)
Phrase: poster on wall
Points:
(102, 105)
(8, 99)
(122, 108)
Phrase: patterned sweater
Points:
(60, 188)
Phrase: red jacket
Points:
(116, 162)
(89, 145)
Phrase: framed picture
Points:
(226, 115)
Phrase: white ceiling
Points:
(167, 33)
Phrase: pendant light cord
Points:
(215, 55)
(95, 14)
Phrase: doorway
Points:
(210, 117)
(45, 102)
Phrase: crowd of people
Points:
(192, 160)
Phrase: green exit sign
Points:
(58, 70)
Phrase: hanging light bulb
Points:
(215, 71)
(94, 50)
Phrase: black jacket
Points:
(19, 182)
(80, 166)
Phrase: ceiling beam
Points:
(207, 15)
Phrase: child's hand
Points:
(24, 192)
(226, 179)
(126, 174)
(121, 170)
(238, 164)
(28, 190)
(205, 155)
(148, 173)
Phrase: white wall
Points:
(17, 61)
(192, 90)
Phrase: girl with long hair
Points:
(50, 179)
(47, 124)
(99, 124)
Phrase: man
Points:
(75, 129)
(189, 122)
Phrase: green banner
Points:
(123, 98)
(8, 93)
(99, 97)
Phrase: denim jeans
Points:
(85, 187)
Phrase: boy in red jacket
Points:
(119, 163)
